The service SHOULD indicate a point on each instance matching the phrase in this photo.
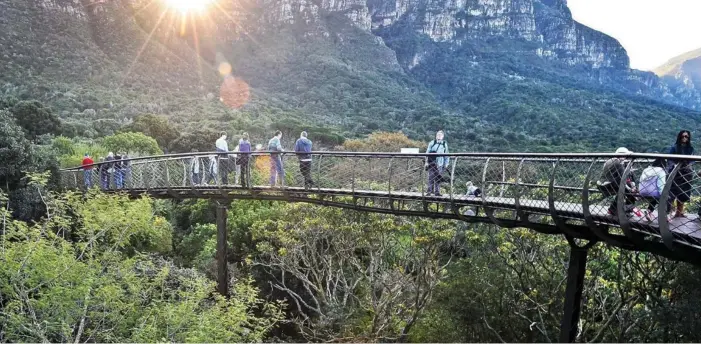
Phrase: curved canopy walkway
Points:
(549, 193)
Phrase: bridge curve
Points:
(549, 193)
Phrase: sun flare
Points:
(186, 6)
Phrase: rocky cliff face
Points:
(683, 75)
(542, 28)
(416, 31)
(548, 24)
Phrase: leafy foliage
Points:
(131, 143)
(154, 126)
(382, 142)
(35, 119)
(85, 274)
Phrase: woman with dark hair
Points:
(652, 182)
(681, 185)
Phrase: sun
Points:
(186, 6)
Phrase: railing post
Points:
(165, 164)
(219, 171)
(389, 184)
(222, 268)
(576, 269)
(422, 182)
(352, 176)
(586, 203)
(318, 173)
(622, 195)
(663, 210)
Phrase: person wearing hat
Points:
(610, 181)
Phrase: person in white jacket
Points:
(652, 182)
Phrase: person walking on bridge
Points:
(436, 165)
(118, 172)
(681, 185)
(87, 170)
(109, 164)
(103, 169)
(126, 170)
(277, 172)
(303, 148)
(212, 169)
(195, 169)
(243, 159)
(223, 148)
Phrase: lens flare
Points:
(224, 68)
(186, 6)
(234, 92)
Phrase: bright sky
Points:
(652, 31)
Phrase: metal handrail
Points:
(544, 157)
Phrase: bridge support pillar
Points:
(573, 293)
(222, 266)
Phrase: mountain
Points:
(497, 74)
(676, 64)
(683, 72)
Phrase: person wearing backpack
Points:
(436, 165)
(277, 172)
(652, 182)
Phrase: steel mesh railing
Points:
(562, 190)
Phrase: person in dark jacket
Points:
(303, 148)
(104, 174)
(126, 170)
(109, 165)
(118, 172)
(243, 160)
(681, 185)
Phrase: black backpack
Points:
(432, 159)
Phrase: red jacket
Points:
(87, 163)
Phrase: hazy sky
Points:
(652, 31)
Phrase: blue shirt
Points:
(303, 147)
(244, 146)
(440, 147)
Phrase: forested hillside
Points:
(101, 68)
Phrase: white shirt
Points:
(222, 145)
(658, 172)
